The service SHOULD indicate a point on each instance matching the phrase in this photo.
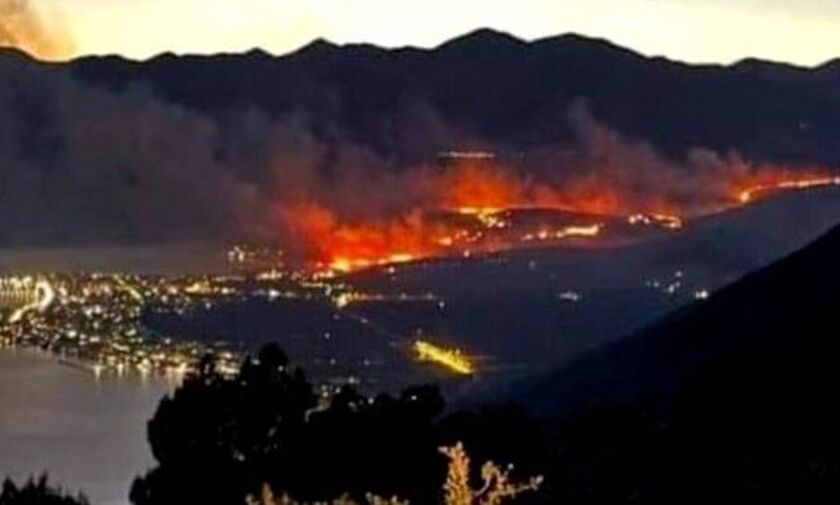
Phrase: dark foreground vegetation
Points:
(219, 439)
(727, 436)
(37, 492)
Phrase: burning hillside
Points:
(477, 205)
(139, 169)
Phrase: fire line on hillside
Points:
(478, 207)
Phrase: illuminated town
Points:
(97, 322)
(119, 324)
(93, 321)
(106, 323)
(100, 322)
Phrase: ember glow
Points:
(664, 220)
(563, 233)
(760, 188)
(477, 206)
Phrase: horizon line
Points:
(423, 48)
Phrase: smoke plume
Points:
(25, 26)
(81, 164)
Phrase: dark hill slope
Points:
(787, 311)
(730, 401)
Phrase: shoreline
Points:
(89, 369)
(88, 433)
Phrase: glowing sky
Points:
(800, 31)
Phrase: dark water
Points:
(88, 433)
(164, 260)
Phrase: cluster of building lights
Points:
(98, 321)
(93, 321)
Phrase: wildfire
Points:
(477, 206)
(345, 265)
(345, 247)
(749, 194)
(478, 187)
(452, 359)
(563, 233)
(489, 217)
(663, 220)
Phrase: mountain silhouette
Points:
(506, 91)
(106, 150)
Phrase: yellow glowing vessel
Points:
(451, 359)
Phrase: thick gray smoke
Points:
(603, 157)
(83, 165)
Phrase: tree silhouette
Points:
(37, 492)
(218, 439)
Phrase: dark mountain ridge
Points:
(506, 92)
(105, 150)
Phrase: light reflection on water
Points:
(88, 433)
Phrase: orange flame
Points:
(345, 247)
(484, 193)
(769, 182)
(477, 187)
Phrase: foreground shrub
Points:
(220, 438)
(496, 488)
(37, 492)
